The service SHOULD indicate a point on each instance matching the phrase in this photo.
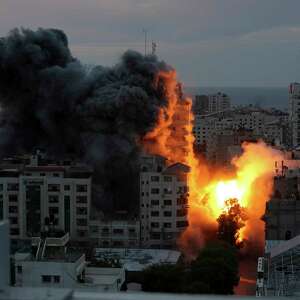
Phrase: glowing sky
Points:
(210, 42)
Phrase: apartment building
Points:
(270, 125)
(115, 233)
(206, 104)
(294, 112)
(163, 202)
(36, 195)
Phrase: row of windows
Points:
(51, 187)
(157, 225)
(168, 213)
(167, 191)
(79, 210)
(50, 279)
(79, 199)
(106, 230)
(56, 188)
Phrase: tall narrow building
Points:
(294, 112)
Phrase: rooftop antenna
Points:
(145, 31)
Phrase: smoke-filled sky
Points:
(209, 42)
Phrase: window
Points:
(167, 213)
(154, 191)
(14, 231)
(118, 231)
(13, 209)
(94, 229)
(67, 187)
(155, 235)
(155, 178)
(13, 220)
(46, 279)
(81, 199)
(155, 225)
(81, 188)
(167, 225)
(56, 279)
(167, 202)
(55, 174)
(53, 188)
(81, 210)
(182, 201)
(13, 198)
(167, 191)
(154, 202)
(82, 233)
(1, 187)
(53, 199)
(168, 178)
(42, 174)
(53, 210)
(155, 213)
(19, 269)
(81, 222)
(180, 224)
(181, 212)
(12, 186)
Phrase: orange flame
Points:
(209, 189)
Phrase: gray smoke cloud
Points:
(50, 100)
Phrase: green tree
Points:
(217, 267)
(163, 278)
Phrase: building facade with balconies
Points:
(35, 196)
(163, 203)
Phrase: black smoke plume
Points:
(50, 100)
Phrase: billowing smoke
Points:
(50, 100)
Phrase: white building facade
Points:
(34, 197)
(115, 233)
(163, 204)
(269, 125)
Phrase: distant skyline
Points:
(221, 43)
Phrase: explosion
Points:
(217, 198)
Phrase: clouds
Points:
(192, 34)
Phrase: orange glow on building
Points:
(250, 182)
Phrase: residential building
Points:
(282, 215)
(270, 125)
(294, 112)
(163, 202)
(36, 194)
(115, 233)
(206, 104)
(4, 256)
(201, 105)
(51, 263)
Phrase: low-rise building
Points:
(51, 263)
(115, 233)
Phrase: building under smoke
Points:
(49, 100)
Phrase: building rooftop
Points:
(138, 259)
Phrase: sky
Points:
(233, 43)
